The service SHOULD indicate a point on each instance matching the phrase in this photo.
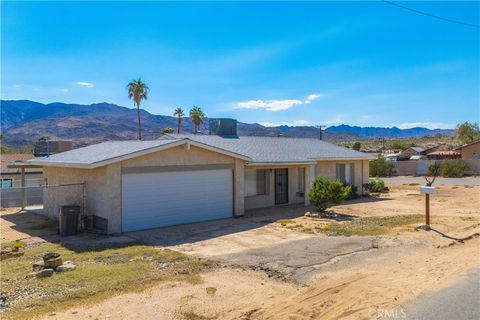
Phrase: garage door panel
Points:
(168, 198)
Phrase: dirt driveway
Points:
(258, 242)
(16, 224)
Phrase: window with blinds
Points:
(346, 173)
(256, 182)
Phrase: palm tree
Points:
(196, 115)
(137, 91)
(179, 113)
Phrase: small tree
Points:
(357, 146)
(167, 130)
(432, 173)
(467, 132)
(326, 192)
(381, 168)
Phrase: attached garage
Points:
(159, 199)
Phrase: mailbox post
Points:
(427, 191)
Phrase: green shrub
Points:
(381, 168)
(353, 194)
(375, 185)
(357, 146)
(453, 169)
(326, 192)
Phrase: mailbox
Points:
(427, 190)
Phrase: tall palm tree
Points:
(196, 115)
(179, 113)
(138, 91)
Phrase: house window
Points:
(255, 182)
(346, 173)
(301, 180)
(476, 155)
(7, 183)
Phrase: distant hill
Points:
(394, 132)
(23, 121)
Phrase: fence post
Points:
(24, 190)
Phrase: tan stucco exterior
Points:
(471, 151)
(103, 185)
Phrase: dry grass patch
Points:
(100, 274)
(370, 226)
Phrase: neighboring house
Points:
(444, 155)
(412, 151)
(11, 177)
(189, 178)
(470, 151)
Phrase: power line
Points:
(432, 15)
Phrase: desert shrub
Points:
(380, 168)
(357, 146)
(326, 192)
(353, 194)
(375, 185)
(453, 168)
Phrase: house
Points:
(181, 179)
(444, 154)
(11, 176)
(470, 151)
(412, 151)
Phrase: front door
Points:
(281, 186)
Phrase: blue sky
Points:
(359, 63)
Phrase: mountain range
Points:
(24, 121)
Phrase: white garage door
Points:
(151, 200)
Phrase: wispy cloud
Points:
(269, 105)
(429, 125)
(313, 96)
(295, 123)
(276, 105)
(65, 90)
(86, 84)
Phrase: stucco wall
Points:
(103, 185)
(268, 200)
(468, 151)
(329, 169)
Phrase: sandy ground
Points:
(237, 293)
(18, 225)
(356, 285)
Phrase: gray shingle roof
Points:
(278, 149)
(255, 149)
(101, 152)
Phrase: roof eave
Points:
(132, 155)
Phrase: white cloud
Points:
(314, 96)
(65, 90)
(85, 84)
(429, 125)
(296, 123)
(269, 105)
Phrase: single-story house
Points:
(412, 151)
(470, 151)
(444, 154)
(180, 179)
(11, 176)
